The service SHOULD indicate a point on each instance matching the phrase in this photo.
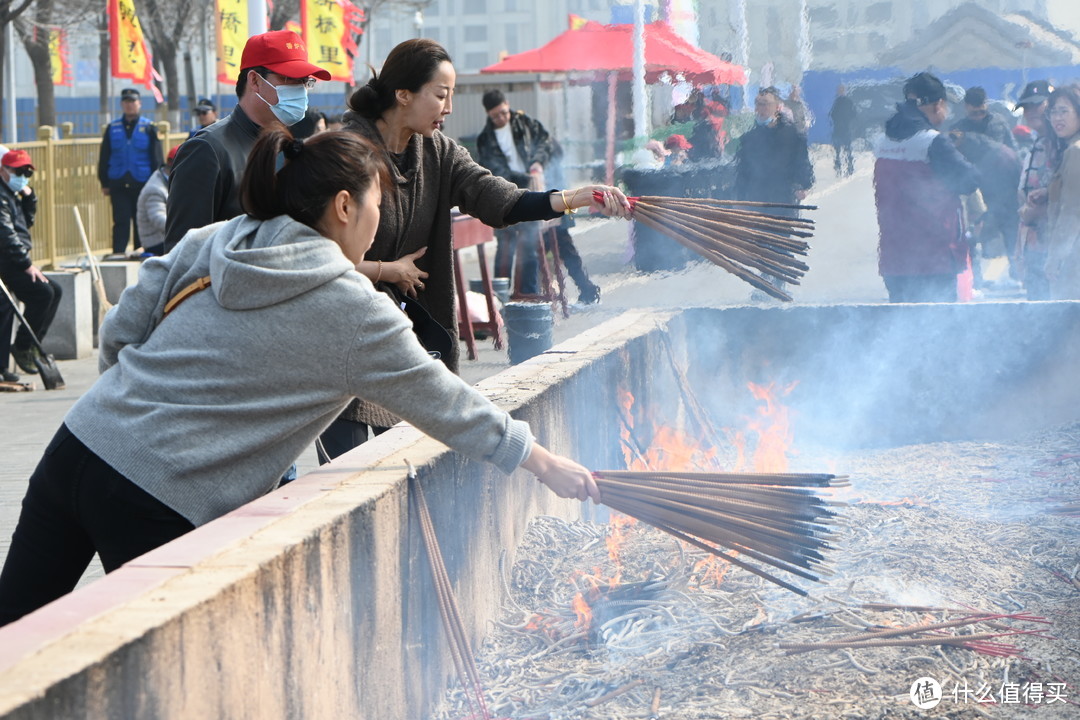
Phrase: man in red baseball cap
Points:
(18, 205)
(204, 185)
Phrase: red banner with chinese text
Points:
(129, 53)
(330, 29)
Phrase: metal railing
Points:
(66, 177)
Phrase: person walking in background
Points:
(842, 114)
(18, 206)
(1063, 209)
(773, 163)
(981, 120)
(999, 174)
(152, 205)
(800, 114)
(130, 153)
(919, 176)
(273, 83)
(205, 112)
(1034, 181)
(519, 148)
(286, 333)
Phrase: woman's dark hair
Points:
(1071, 93)
(409, 66)
(312, 173)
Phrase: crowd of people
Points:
(297, 253)
(316, 244)
(945, 198)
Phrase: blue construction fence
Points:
(83, 111)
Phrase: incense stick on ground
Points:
(775, 519)
(742, 237)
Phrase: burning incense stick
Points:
(751, 244)
(775, 519)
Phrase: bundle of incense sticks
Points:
(742, 237)
(776, 519)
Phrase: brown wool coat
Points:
(435, 175)
(1063, 227)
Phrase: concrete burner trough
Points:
(316, 601)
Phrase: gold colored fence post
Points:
(47, 191)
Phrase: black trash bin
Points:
(656, 251)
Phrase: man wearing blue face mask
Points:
(18, 206)
(272, 86)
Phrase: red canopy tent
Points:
(609, 50)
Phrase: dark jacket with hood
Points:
(919, 177)
(204, 183)
(16, 219)
(533, 143)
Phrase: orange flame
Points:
(712, 569)
(582, 611)
(614, 541)
(772, 428)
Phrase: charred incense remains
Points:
(741, 237)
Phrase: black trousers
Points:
(344, 435)
(522, 241)
(77, 505)
(571, 258)
(125, 198)
(921, 288)
(7, 318)
(41, 300)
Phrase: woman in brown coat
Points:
(401, 110)
(1063, 208)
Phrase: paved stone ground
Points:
(843, 263)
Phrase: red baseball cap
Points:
(677, 142)
(172, 153)
(17, 159)
(283, 52)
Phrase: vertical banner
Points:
(58, 55)
(329, 29)
(232, 35)
(130, 55)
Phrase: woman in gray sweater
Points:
(401, 111)
(226, 361)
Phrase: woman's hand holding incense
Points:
(563, 476)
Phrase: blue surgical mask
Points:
(291, 105)
(17, 183)
(761, 122)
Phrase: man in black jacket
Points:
(204, 186)
(18, 206)
(772, 163)
(516, 147)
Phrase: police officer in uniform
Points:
(130, 153)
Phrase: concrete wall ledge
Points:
(314, 601)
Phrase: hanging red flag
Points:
(130, 54)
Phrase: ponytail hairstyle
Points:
(299, 178)
(409, 66)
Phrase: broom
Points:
(775, 519)
(739, 236)
(95, 272)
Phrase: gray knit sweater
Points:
(206, 408)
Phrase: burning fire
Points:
(771, 428)
(615, 539)
(582, 611)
